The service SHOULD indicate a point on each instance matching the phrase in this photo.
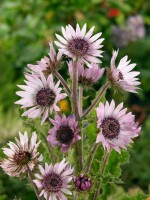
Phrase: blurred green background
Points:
(26, 27)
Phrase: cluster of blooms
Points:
(40, 96)
(133, 30)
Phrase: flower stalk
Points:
(63, 82)
(105, 87)
(80, 100)
(82, 132)
(75, 107)
(74, 91)
(91, 158)
(96, 195)
(30, 176)
(49, 147)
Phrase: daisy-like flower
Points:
(53, 180)
(117, 128)
(22, 155)
(40, 95)
(122, 76)
(64, 133)
(47, 64)
(79, 44)
(87, 76)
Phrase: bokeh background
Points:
(26, 27)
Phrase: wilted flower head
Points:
(79, 44)
(47, 64)
(135, 25)
(53, 180)
(117, 128)
(22, 155)
(40, 95)
(64, 133)
(82, 182)
(87, 76)
(122, 76)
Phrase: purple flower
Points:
(64, 133)
(47, 64)
(120, 36)
(40, 95)
(22, 155)
(117, 128)
(53, 180)
(136, 27)
(82, 182)
(132, 30)
(79, 44)
(122, 76)
(87, 76)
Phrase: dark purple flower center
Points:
(82, 182)
(120, 76)
(85, 81)
(110, 128)
(65, 135)
(45, 97)
(78, 46)
(22, 157)
(52, 182)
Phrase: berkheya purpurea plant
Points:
(84, 150)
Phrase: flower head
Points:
(40, 95)
(47, 64)
(64, 133)
(82, 182)
(53, 180)
(122, 76)
(135, 25)
(87, 76)
(22, 155)
(117, 128)
(120, 36)
(79, 44)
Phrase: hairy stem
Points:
(80, 100)
(96, 195)
(32, 183)
(48, 146)
(91, 158)
(63, 82)
(75, 108)
(105, 87)
(80, 113)
(52, 153)
(75, 91)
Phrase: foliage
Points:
(24, 25)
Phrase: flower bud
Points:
(82, 182)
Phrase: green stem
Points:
(50, 149)
(63, 82)
(75, 195)
(32, 183)
(75, 109)
(105, 87)
(91, 158)
(82, 133)
(80, 100)
(96, 195)
(75, 91)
